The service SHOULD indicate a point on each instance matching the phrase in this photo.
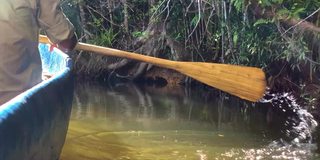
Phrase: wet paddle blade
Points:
(245, 82)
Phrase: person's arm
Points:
(57, 27)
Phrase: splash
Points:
(275, 150)
(300, 124)
(298, 128)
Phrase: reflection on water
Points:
(130, 122)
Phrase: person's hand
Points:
(52, 46)
(66, 45)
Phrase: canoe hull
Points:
(34, 124)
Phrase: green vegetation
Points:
(280, 36)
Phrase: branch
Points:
(302, 21)
(301, 24)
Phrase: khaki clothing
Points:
(6, 96)
(20, 21)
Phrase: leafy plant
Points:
(105, 38)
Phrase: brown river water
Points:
(125, 121)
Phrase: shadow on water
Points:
(125, 121)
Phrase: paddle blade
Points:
(245, 82)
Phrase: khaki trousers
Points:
(6, 96)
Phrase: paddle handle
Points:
(117, 53)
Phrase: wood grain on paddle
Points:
(245, 82)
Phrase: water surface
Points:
(125, 121)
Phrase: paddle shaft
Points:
(245, 82)
(124, 54)
(118, 53)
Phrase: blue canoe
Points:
(34, 124)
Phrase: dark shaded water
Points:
(125, 121)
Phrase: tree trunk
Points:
(85, 33)
(125, 12)
(110, 8)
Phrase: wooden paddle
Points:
(245, 82)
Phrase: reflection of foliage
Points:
(183, 111)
